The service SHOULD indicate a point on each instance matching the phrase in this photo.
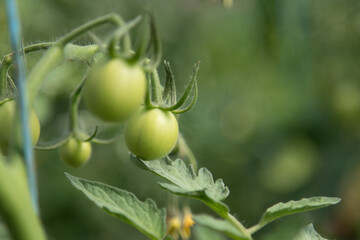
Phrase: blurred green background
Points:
(278, 115)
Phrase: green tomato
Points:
(151, 133)
(114, 90)
(7, 121)
(75, 153)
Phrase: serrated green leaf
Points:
(144, 216)
(308, 233)
(218, 225)
(283, 209)
(185, 182)
(306, 204)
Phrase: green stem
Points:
(121, 32)
(191, 156)
(74, 103)
(231, 219)
(155, 87)
(110, 18)
(55, 54)
(8, 61)
(3, 76)
(15, 203)
(255, 228)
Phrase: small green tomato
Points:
(114, 90)
(75, 153)
(151, 133)
(7, 120)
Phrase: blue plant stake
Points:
(15, 38)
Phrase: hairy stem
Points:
(55, 54)
(8, 60)
(231, 219)
(74, 103)
(255, 228)
(3, 76)
(110, 18)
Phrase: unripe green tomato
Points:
(151, 133)
(75, 153)
(7, 121)
(114, 90)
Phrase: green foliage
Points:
(306, 204)
(219, 225)
(204, 233)
(185, 182)
(283, 209)
(242, 121)
(144, 216)
(308, 233)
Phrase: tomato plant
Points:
(123, 87)
(75, 153)
(114, 89)
(7, 116)
(151, 133)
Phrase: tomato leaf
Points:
(283, 209)
(144, 216)
(204, 233)
(185, 182)
(308, 233)
(218, 225)
(306, 204)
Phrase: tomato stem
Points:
(154, 46)
(55, 54)
(119, 33)
(110, 18)
(231, 219)
(255, 228)
(8, 60)
(74, 103)
(3, 77)
(155, 87)
(187, 150)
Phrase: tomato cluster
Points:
(115, 91)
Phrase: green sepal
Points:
(186, 94)
(169, 93)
